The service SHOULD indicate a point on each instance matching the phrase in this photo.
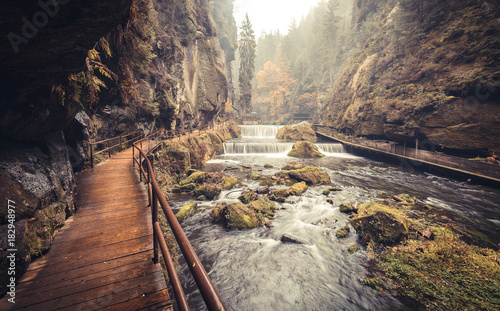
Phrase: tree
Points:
(247, 64)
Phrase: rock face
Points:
(37, 55)
(39, 179)
(441, 87)
(305, 149)
(302, 131)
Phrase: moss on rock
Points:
(186, 211)
(302, 131)
(210, 191)
(293, 166)
(248, 196)
(343, 233)
(299, 188)
(305, 149)
(311, 175)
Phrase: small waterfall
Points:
(252, 148)
(330, 148)
(260, 131)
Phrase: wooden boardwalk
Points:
(102, 258)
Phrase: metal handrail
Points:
(108, 148)
(210, 295)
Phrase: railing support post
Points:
(140, 166)
(91, 155)
(133, 155)
(154, 213)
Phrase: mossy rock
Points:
(210, 191)
(256, 177)
(248, 196)
(183, 188)
(186, 211)
(268, 166)
(305, 149)
(343, 233)
(197, 177)
(293, 166)
(326, 192)
(346, 208)
(352, 249)
(336, 188)
(264, 209)
(311, 175)
(202, 198)
(302, 131)
(236, 216)
(379, 223)
(279, 195)
(299, 188)
(267, 183)
(229, 182)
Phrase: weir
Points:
(259, 131)
(252, 148)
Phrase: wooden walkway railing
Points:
(205, 285)
(107, 145)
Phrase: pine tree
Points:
(247, 64)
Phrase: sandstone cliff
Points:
(431, 73)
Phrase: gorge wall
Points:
(427, 69)
(76, 71)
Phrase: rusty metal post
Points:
(416, 150)
(91, 155)
(133, 155)
(121, 141)
(109, 148)
(404, 150)
(140, 166)
(154, 213)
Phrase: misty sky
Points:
(270, 15)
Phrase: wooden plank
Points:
(153, 301)
(145, 274)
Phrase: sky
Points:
(270, 15)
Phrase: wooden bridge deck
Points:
(101, 258)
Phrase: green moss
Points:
(268, 166)
(352, 249)
(343, 233)
(196, 177)
(186, 211)
(311, 175)
(210, 191)
(229, 182)
(304, 149)
(248, 196)
(299, 188)
(279, 195)
(326, 192)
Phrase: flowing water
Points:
(254, 270)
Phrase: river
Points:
(254, 270)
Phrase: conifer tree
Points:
(247, 64)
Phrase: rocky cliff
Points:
(426, 69)
(73, 71)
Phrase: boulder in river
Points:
(298, 188)
(186, 211)
(248, 196)
(210, 191)
(311, 175)
(302, 131)
(378, 223)
(285, 238)
(293, 166)
(305, 149)
(240, 216)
